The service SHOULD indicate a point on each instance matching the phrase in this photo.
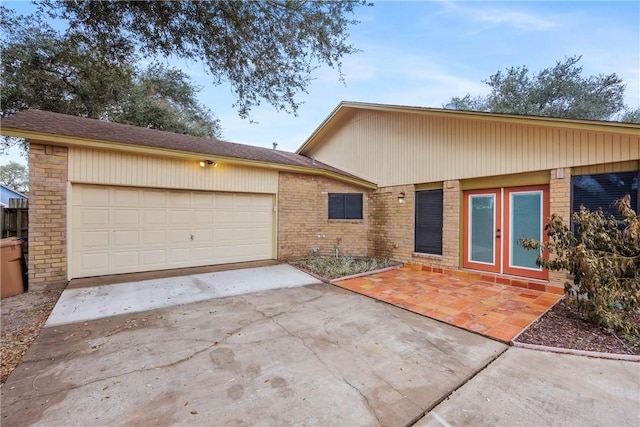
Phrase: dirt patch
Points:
(23, 316)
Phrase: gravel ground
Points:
(24, 315)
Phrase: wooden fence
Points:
(15, 221)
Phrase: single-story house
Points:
(442, 190)
(7, 193)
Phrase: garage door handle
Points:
(192, 237)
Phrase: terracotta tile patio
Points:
(491, 309)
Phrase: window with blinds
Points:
(345, 205)
(428, 237)
(600, 191)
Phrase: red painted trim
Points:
(495, 268)
(542, 274)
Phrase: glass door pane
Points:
(525, 221)
(482, 228)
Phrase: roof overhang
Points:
(345, 108)
(74, 141)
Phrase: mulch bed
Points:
(565, 327)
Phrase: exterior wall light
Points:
(204, 163)
(401, 197)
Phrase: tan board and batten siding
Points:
(117, 168)
(391, 148)
(130, 213)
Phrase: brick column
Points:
(451, 224)
(559, 203)
(47, 216)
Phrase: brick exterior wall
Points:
(560, 203)
(452, 215)
(392, 231)
(303, 218)
(47, 216)
(392, 223)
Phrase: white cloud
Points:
(503, 17)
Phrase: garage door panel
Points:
(153, 217)
(126, 217)
(94, 261)
(203, 217)
(179, 217)
(93, 196)
(202, 235)
(179, 236)
(179, 255)
(153, 237)
(223, 235)
(123, 238)
(179, 198)
(125, 197)
(203, 253)
(125, 259)
(89, 217)
(203, 200)
(154, 257)
(225, 200)
(121, 230)
(154, 198)
(92, 239)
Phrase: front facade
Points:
(458, 190)
(102, 207)
(441, 190)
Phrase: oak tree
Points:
(559, 91)
(266, 50)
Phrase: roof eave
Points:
(73, 141)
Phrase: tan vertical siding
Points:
(113, 168)
(393, 148)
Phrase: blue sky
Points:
(424, 52)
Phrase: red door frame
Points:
(502, 231)
(543, 273)
(497, 242)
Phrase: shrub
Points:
(603, 255)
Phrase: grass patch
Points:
(332, 267)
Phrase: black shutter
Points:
(429, 222)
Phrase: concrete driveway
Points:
(311, 355)
(535, 388)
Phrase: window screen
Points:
(429, 222)
(345, 206)
(601, 190)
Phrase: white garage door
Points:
(124, 230)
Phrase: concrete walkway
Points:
(535, 388)
(97, 302)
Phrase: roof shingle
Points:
(92, 129)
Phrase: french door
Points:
(494, 222)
